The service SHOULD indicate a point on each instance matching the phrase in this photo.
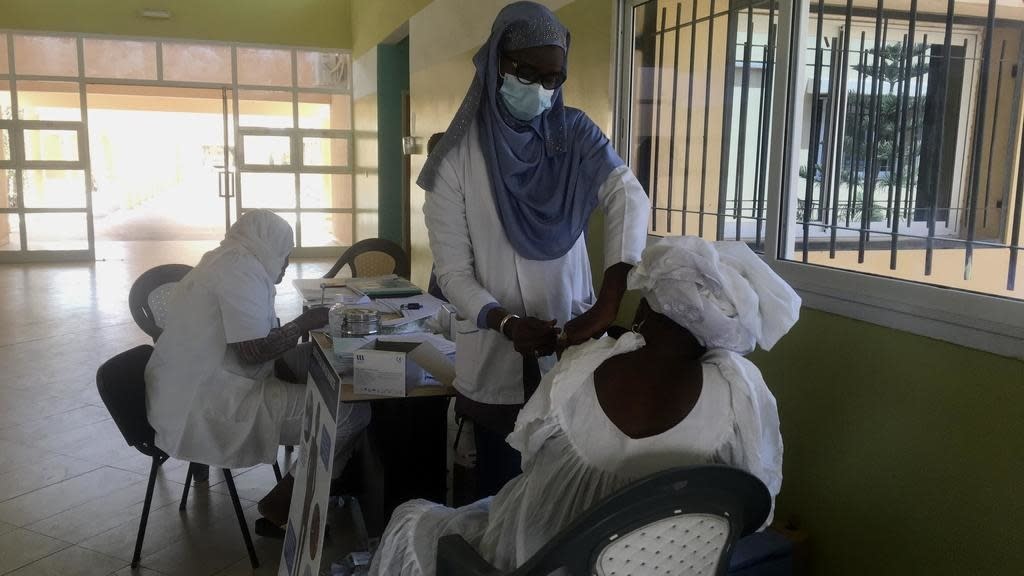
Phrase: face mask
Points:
(525, 101)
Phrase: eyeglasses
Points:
(527, 74)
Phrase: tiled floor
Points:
(71, 490)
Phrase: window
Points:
(873, 157)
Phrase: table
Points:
(406, 451)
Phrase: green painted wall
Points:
(392, 81)
(319, 23)
(904, 455)
(374, 20)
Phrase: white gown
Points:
(574, 456)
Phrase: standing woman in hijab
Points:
(510, 189)
(212, 393)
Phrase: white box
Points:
(393, 368)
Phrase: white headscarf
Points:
(266, 236)
(722, 292)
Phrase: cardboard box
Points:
(393, 368)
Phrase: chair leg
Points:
(277, 471)
(145, 512)
(241, 519)
(188, 485)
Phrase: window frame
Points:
(974, 320)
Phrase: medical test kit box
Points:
(394, 368)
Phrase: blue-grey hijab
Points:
(545, 173)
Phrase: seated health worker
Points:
(212, 392)
(676, 391)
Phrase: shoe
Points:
(274, 506)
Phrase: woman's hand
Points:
(313, 318)
(595, 322)
(530, 336)
(533, 336)
(591, 323)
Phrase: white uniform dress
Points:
(476, 266)
(204, 403)
(574, 456)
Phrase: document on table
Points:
(311, 291)
(411, 309)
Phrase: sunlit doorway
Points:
(162, 166)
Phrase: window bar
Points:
(827, 164)
(915, 165)
(744, 106)
(899, 124)
(769, 74)
(992, 137)
(979, 135)
(947, 47)
(841, 118)
(707, 99)
(657, 125)
(760, 140)
(1018, 205)
(689, 116)
(729, 92)
(956, 213)
(672, 130)
(868, 203)
(851, 192)
(815, 134)
(1011, 142)
(908, 74)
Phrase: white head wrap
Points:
(722, 292)
(266, 236)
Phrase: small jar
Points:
(360, 322)
(336, 320)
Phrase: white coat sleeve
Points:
(626, 213)
(448, 229)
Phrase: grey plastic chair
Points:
(683, 521)
(148, 296)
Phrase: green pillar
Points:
(392, 81)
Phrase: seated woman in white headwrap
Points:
(674, 392)
(212, 393)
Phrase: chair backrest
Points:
(122, 386)
(682, 521)
(373, 257)
(149, 294)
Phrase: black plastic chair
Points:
(122, 386)
(651, 527)
(373, 257)
(153, 288)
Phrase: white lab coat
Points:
(476, 265)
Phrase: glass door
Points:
(45, 179)
(294, 134)
(163, 166)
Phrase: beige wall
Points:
(319, 23)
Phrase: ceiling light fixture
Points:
(156, 14)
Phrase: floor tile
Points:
(73, 561)
(97, 516)
(56, 498)
(142, 571)
(50, 471)
(166, 526)
(21, 547)
(56, 424)
(212, 550)
(14, 455)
